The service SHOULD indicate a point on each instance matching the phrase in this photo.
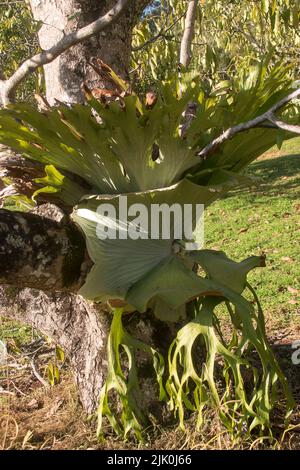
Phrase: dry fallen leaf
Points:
(27, 438)
(288, 259)
(297, 207)
(292, 290)
(33, 404)
(55, 407)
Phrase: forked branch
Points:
(8, 87)
(267, 119)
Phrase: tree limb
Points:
(267, 119)
(42, 250)
(8, 87)
(188, 34)
(283, 125)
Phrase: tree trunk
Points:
(43, 258)
(77, 326)
(65, 75)
(45, 251)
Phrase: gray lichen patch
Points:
(38, 252)
(38, 239)
(15, 241)
(50, 211)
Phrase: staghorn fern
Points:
(111, 150)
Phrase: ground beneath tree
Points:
(33, 416)
(37, 415)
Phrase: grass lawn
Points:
(262, 219)
(266, 219)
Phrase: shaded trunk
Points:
(43, 263)
(42, 250)
(81, 328)
(20, 172)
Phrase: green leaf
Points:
(193, 387)
(225, 271)
(127, 389)
(162, 284)
(68, 139)
(69, 191)
(59, 353)
(120, 263)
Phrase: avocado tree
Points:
(152, 152)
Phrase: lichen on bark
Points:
(41, 253)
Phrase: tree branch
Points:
(267, 119)
(8, 87)
(188, 34)
(42, 250)
(283, 125)
(161, 34)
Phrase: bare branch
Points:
(259, 121)
(189, 27)
(38, 375)
(7, 87)
(284, 125)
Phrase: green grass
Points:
(19, 333)
(266, 219)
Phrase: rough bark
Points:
(46, 56)
(79, 327)
(41, 252)
(64, 76)
(20, 172)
